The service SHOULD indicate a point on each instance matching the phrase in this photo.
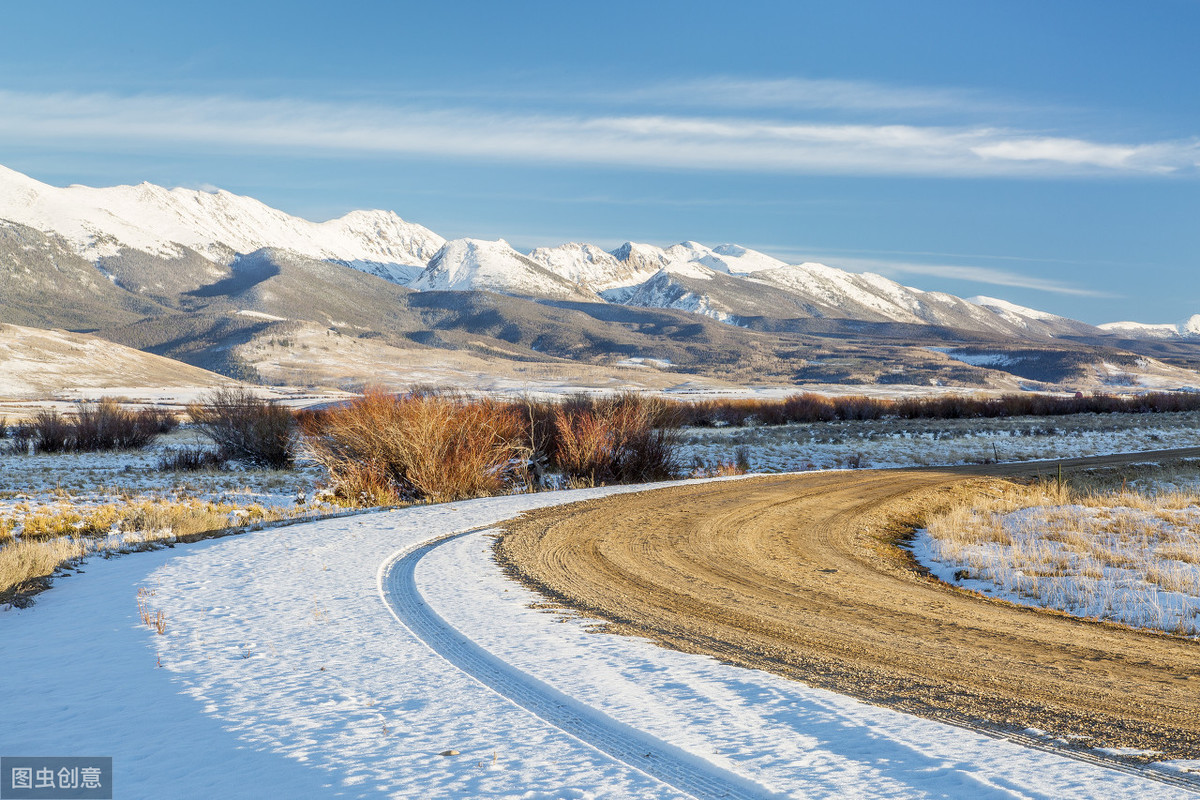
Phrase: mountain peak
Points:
(471, 264)
(101, 222)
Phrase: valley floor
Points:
(282, 671)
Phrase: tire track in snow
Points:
(634, 748)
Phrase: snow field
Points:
(283, 674)
(62, 482)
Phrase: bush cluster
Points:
(104, 425)
(246, 428)
(613, 440)
(422, 445)
(438, 445)
(191, 459)
(809, 407)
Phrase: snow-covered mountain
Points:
(729, 258)
(618, 274)
(1188, 329)
(1032, 320)
(161, 222)
(686, 286)
(590, 266)
(475, 264)
(1012, 311)
(834, 293)
(162, 244)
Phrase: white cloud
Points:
(809, 93)
(656, 141)
(1155, 157)
(970, 273)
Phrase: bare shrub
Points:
(50, 432)
(421, 445)
(103, 425)
(809, 407)
(246, 428)
(159, 420)
(106, 425)
(22, 438)
(191, 459)
(741, 459)
(615, 441)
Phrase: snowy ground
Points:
(283, 672)
(905, 443)
(1138, 566)
(84, 480)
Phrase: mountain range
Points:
(200, 276)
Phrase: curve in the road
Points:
(799, 575)
(671, 765)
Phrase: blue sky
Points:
(1042, 152)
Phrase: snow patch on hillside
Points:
(1011, 311)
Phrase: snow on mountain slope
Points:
(1188, 329)
(730, 258)
(865, 295)
(467, 264)
(590, 266)
(1033, 320)
(673, 287)
(1012, 310)
(102, 221)
(644, 257)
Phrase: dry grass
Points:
(154, 620)
(37, 543)
(1111, 553)
(26, 567)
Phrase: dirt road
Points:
(801, 575)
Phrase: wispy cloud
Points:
(970, 273)
(627, 140)
(807, 93)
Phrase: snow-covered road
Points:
(284, 674)
(690, 774)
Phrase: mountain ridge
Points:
(225, 275)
